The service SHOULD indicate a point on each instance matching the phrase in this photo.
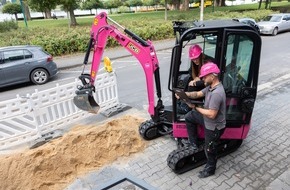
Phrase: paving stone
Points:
(278, 185)
(210, 185)
(244, 182)
(219, 179)
(236, 187)
(172, 182)
(232, 180)
(223, 186)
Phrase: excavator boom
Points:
(142, 50)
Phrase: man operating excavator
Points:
(212, 115)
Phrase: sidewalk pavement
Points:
(69, 61)
(261, 163)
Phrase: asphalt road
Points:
(274, 64)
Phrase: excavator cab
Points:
(235, 48)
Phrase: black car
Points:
(249, 21)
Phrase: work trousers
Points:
(192, 120)
(210, 146)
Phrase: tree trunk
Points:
(186, 5)
(27, 11)
(16, 18)
(177, 5)
(165, 13)
(73, 21)
(260, 4)
(266, 4)
(215, 3)
(47, 13)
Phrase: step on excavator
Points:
(236, 48)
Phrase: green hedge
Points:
(61, 41)
(7, 26)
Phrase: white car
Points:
(275, 23)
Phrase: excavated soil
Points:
(83, 149)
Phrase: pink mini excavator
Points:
(236, 49)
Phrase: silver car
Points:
(20, 64)
(275, 23)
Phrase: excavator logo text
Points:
(133, 48)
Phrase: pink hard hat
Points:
(209, 68)
(194, 51)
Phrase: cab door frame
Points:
(242, 100)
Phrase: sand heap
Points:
(85, 148)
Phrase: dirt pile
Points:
(85, 148)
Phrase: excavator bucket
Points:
(86, 102)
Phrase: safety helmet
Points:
(209, 68)
(194, 51)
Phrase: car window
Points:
(273, 18)
(27, 54)
(14, 55)
(1, 58)
(287, 17)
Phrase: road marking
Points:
(279, 80)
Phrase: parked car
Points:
(249, 21)
(275, 23)
(20, 64)
(212, 39)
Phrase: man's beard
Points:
(207, 83)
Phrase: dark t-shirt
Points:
(215, 99)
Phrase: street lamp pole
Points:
(23, 12)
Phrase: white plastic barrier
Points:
(25, 119)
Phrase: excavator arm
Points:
(142, 50)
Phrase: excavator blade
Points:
(87, 103)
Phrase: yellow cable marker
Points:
(108, 64)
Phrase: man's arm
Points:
(209, 113)
(195, 94)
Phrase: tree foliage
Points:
(70, 6)
(12, 8)
(109, 4)
(134, 3)
(43, 6)
(92, 4)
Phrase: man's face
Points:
(208, 79)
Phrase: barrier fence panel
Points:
(25, 119)
(106, 93)
(17, 124)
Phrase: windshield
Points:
(273, 18)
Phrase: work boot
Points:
(207, 171)
(192, 146)
(186, 144)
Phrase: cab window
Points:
(238, 61)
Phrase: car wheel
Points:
(39, 76)
(275, 32)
